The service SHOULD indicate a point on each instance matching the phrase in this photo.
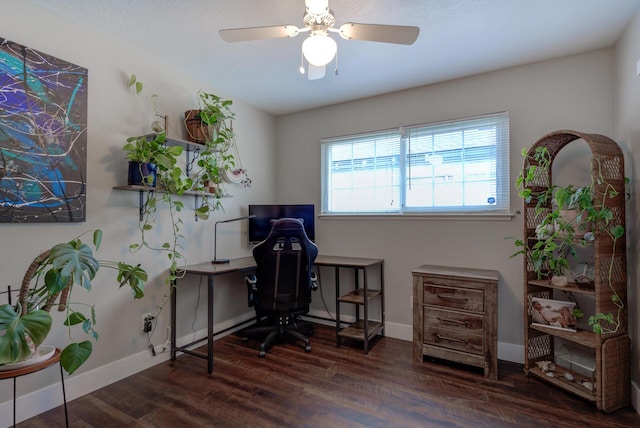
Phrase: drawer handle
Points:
(451, 339)
(455, 299)
(457, 322)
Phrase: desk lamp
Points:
(216, 260)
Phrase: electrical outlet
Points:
(147, 322)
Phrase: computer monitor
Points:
(261, 224)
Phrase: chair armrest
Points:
(251, 281)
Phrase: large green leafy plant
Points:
(50, 277)
(558, 235)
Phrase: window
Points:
(457, 166)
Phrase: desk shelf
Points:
(357, 296)
(356, 331)
(363, 329)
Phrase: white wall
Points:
(571, 93)
(628, 134)
(115, 113)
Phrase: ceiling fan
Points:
(319, 49)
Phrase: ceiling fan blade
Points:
(399, 34)
(258, 33)
(315, 72)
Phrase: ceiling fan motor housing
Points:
(318, 24)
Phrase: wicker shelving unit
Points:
(610, 389)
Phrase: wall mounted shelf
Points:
(191, 151)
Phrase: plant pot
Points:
(142, 174)
(197, 131)
(559, 281)
(213, 188)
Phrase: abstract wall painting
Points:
(43, 137)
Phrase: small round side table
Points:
(13, 374)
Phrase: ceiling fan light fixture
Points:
(317, 7)
(319, 49)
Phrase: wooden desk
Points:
(247, 264)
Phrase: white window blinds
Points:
(456, 166)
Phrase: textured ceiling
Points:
(457, 38)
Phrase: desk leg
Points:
(337, 274)
(382, 297)
(174, 316)
(356, 286)
(365, 309)
(210, 325)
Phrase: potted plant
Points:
(211, 125)
(50, 278)
(203, 175)
(148, 156)
(170, 177)
(571, 216)
(172, 180)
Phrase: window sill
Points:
(421, 216)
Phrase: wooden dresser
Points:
(455, 316)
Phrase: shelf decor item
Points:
(600, 230)
(553, 314)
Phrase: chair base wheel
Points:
(262, 354)
(307, 348)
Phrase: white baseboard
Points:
(511, 352)
(506, 351)
(635, 396)
(47, 398)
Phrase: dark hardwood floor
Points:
(329, 387)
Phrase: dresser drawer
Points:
(463, 322)
(454, 339)
(454, 297)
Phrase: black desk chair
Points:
(281, 289)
